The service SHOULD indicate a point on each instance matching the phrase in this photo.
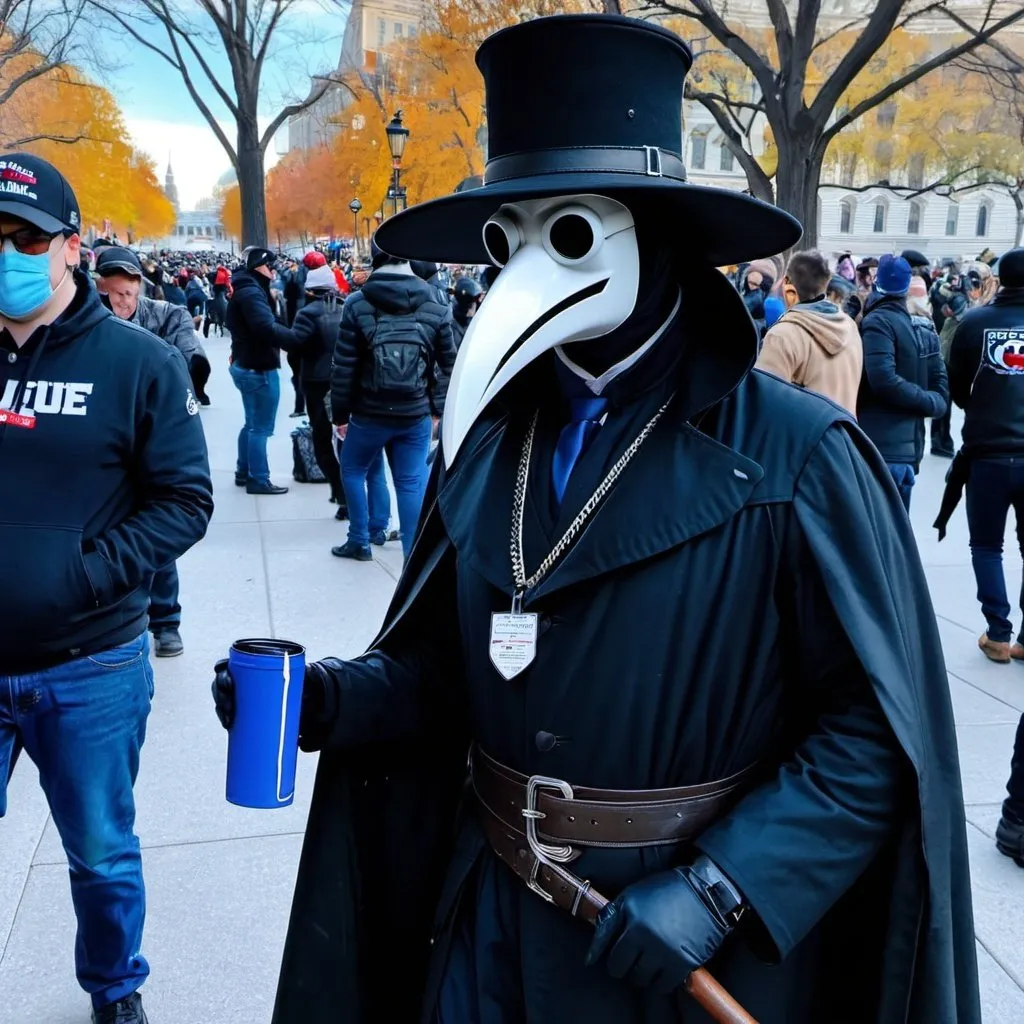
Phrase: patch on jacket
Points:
(1004, 349)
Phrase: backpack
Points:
(401, 361)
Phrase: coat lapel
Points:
(679, 485)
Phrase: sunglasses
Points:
(29, 240)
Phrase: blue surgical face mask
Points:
(24, 282)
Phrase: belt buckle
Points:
(652, 156)
(544, 852)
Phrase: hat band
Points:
(647, 161)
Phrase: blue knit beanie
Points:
(893, 275)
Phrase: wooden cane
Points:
(703, 988)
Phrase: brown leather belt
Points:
(533, 823)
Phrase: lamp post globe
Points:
(355, 206)
(398, 135)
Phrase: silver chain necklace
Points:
(522, 583)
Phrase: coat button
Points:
(12, 357)
(545, 741)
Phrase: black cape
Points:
(380, 834)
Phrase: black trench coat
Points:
(749, 591)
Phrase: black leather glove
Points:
(658, 931)
(314, 690)
(223, 690)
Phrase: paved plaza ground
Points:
(219, 878)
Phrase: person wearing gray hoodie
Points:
(814, 344)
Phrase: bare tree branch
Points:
(186, 78)
(914, 75)
(295, 108)
(877, 30)
(704, 13)
(760, 183)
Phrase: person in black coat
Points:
(902, 384)
(986, 378)
(256, 340)
(394, 354)
(294, 290)
(674, 608)
(316, 329)
(986, 368)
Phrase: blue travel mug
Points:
(263, 743)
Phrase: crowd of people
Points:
(104, 376)
(896, 342)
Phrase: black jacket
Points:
(256, 334)
(111, 483)
(755, 513)
(316, 330)
(986, 375)
(901, 381)
(390, 291)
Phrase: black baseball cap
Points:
(118, 260)
(34, 190)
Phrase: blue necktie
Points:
(574, 438)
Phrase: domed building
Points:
(199, 229)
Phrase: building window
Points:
(879, 225)
(845, 216)
(952, 218)
(398, 29)
(725, 158)
(915, 171)
(914, 218)
(382, 29)
(698, 151)
(983, 218)
(410, 31)
(191, 230)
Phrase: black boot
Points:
(1010, 840)
(125, 1011)
(353, 551)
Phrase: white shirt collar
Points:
(598, 384)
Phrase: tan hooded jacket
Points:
(816, 346)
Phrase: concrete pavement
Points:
(219, 877)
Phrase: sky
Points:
(164, 121)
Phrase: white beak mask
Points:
(571, 272)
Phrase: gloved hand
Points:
(659, 930)
(314, 694)
(223, 690)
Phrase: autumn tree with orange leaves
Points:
(52, 109)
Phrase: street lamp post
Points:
(355, 206)
(398, 136)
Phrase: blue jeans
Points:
(261, 391)
(407, 447)
(993, 486)
(903, 475)
(83, 723)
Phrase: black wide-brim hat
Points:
(589, 103)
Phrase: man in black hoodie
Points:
(105, 481)
(383, 387)
(986, 379)
(256, 340)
